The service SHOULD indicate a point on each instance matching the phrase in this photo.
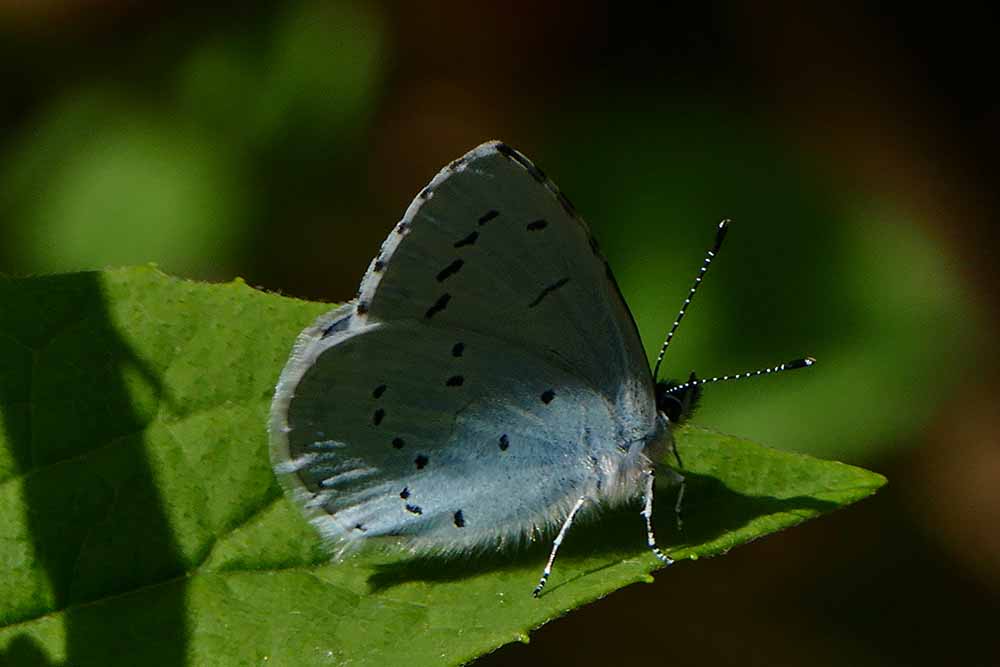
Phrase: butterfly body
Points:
(487, 377)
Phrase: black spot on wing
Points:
(361, 527)
(506, 150)
(457, 349)
(450, 270)
(468, 240)
(420, 461)
(398, 443)
(566, 204)
(378, 416)
(438, 306)
(362, 308)
(610, 276)
(405, 493)
(594, 248)
(379, 390)
(504, 442)
(425, 193)
(535, 172)
(379, 266)
(414, 509)
(548, 290)
(459, 519)
(455, 381)
(537, 225)
(547, 396)
(487, 217)
(403, 228)
(512, 154)
(335, 326)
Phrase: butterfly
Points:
(488, 382)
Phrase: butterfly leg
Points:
(682, 485)
(647, 513)
(555, 545)
(679, 478)
(677, 455)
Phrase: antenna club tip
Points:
(720, 232)
(804, 362)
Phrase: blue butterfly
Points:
(488, 382)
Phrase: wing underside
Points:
(403, 429)
(488, 374)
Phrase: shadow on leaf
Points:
(96, 520)
(711, 511)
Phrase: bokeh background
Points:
(854, 148)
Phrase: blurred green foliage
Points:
(112, 173)
(805, 270)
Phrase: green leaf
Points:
(140, 522)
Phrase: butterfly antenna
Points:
(720, 235)
(805, 362)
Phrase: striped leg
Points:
(680, 502)
(678, 479)
(647, 513)
(555, 545)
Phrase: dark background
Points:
(854, 148)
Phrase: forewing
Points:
(492, 246)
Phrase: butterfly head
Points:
(678, 400)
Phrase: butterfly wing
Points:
(487, 376)
(384, 430)
(491, 245)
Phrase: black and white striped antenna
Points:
(684, 389)
(720, 235)
(787, 366)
